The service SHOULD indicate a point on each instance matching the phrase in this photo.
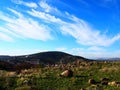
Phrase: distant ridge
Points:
(31, 60)
(42, 58)
(108, 59)
(51, 57)
(4, 57)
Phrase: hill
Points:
(51, 57)
(44, 58)
(86, 76)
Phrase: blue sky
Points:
(89, 28)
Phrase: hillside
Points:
(25, 73)
(51, 57)
(86, 76)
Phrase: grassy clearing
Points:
(48, 78)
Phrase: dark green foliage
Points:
(8, 83)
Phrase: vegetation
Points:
(87, 76)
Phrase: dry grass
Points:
(109, 69)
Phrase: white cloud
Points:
(25, 27)
(15, 13)
(10, 33)
(47, 8)
(86, 35)
(31, 4)
(5, 37)
(46, 17)
(28, 4)
(77, 28)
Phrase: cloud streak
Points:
(21, 26)
(28, 4)
(26, 27)
(77, 28)
(5, 37)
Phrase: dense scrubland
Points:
(87, 75)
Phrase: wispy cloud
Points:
(49, 8)
(71, 25)
(33, 5)
(77, 28)
(45, 6)
(46, 17)
(19, 25)
(29, 4)
(5, 37)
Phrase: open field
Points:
(48, 78)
